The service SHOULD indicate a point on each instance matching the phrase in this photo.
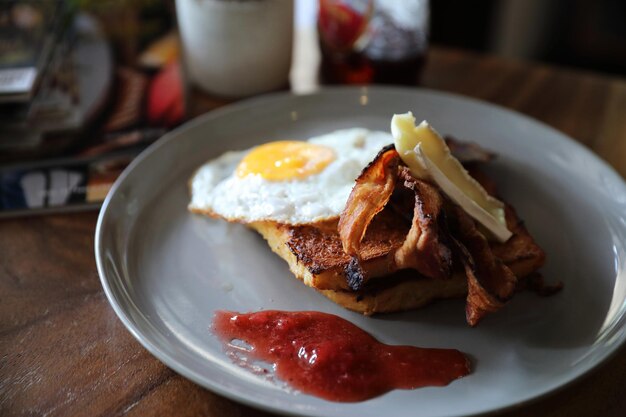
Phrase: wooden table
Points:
(63, 352)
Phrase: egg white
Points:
(217, 191)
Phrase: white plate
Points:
(166, 271)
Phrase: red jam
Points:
(329, 357)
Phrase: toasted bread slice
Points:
(315, 256)
(401, 291)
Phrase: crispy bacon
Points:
(468, 152)
(536, 283)
(426, 248)
(481, 301)
(490, 281)
(369, 196)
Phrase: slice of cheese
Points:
(426, 154)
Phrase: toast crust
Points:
(408, 294)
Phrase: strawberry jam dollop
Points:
(329, 357)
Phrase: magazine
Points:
(111, 85)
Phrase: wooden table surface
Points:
(63, 352)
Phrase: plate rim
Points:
(172, 363)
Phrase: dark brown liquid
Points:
(358, 68)
(391, 55)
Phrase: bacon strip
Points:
(369, 196)
(468, 152)
(426, 248)
(490, 281)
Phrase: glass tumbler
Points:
(373, 41)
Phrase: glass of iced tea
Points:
(372, 41)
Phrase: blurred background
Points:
(86, 85)
(574, 33)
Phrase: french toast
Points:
(315, 256)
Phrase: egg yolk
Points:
(284, 160)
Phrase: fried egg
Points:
(289, 182)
